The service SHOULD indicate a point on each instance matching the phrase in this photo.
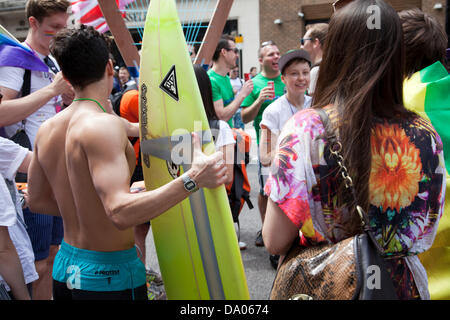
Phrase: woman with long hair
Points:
(394, 156)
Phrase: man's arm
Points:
(40, 197)
(225, 113)
(10, 266)
(13, 109)
(248, 114)
(109, 170)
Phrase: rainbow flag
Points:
(427, 93)
(13, 54)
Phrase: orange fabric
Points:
(129, 109)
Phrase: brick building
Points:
(283, 21)
(254, 20)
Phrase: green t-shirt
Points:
(259, 83)
(221, 89)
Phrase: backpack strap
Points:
(26, 86)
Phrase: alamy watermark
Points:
(374, 20)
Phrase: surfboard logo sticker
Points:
(174, 169)
(169, 84)
(146, 158)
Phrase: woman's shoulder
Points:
(305, 125)
(417, 129)
(307, 119)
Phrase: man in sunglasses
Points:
(313, 42)
(224, 60)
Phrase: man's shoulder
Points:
(214, 76)
(260, 81)
(95, 131)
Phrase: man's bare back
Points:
(86, 223)
(81, 169)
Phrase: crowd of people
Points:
(86, 206)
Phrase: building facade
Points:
(256, 21)
(284, 21)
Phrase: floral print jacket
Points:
(406, 189)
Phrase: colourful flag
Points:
(88, 12)
(14, 54)
(427, 93)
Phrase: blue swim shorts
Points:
(98, 271)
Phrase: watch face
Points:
(190, 185)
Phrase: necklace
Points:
(293, 108)
(93, 100)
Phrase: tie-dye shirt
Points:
(406, 190)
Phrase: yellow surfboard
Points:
(195, 241)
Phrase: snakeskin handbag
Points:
(351, 269)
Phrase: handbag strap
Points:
(335, 147)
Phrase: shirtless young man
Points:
(81, 169)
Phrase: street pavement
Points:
(258, 269)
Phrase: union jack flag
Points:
(88, 12)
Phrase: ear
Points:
(283, 78)
(317, 43)
(33, 22)
(109, 68)
(223, 51)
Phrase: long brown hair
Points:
(361, 75)
(204, 84)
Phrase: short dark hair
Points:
(45, 8)
(425, 40)
(82, 54)
(295, 60)
(222, 44)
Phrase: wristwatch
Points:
(188, 183)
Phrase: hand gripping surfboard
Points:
(195, 241)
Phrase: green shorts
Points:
(98, 271)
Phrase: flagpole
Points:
(214, 32)
(119, 30)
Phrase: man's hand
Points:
(247, 88)
(61, 85)
(266, 94)
(207, 171)
(68, 96)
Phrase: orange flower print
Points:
(396, 168)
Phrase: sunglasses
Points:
(1, 97)
(236, 50)
(302, 41)
(267, 43)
